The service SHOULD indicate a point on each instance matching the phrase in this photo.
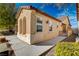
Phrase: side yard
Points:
(59, 47)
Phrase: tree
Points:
(7, 16)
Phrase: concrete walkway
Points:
(53, 41)
(23, 49)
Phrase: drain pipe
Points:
(77, 10)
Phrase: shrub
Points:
(67, 49)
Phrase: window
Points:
(20, 26)
(50, 28)
(39, 21)
(39, 28)
(50, 25)
(39, 25)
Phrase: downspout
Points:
(77, 9)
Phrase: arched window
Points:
(20, 26)
(24, 25)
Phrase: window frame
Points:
(39, 23)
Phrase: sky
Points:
(56, 10)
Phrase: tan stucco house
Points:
(35, 26)
(66, 25)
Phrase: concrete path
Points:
(50, 53)
(53, 41)
(23, 49)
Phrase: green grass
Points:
(67, 49)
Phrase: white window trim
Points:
(39, 23)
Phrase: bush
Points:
(67, 49)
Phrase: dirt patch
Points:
(71, 38)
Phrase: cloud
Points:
(61, 14)
(71, 15)
(65, 10)
(59, 5)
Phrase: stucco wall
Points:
(68, 29)
(45, 34)
(27, 36)
(64, 20)
(32, 36)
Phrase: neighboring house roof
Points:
(33, 8)
(62, 18)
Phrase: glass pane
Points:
(39, 21)
(39, 28)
